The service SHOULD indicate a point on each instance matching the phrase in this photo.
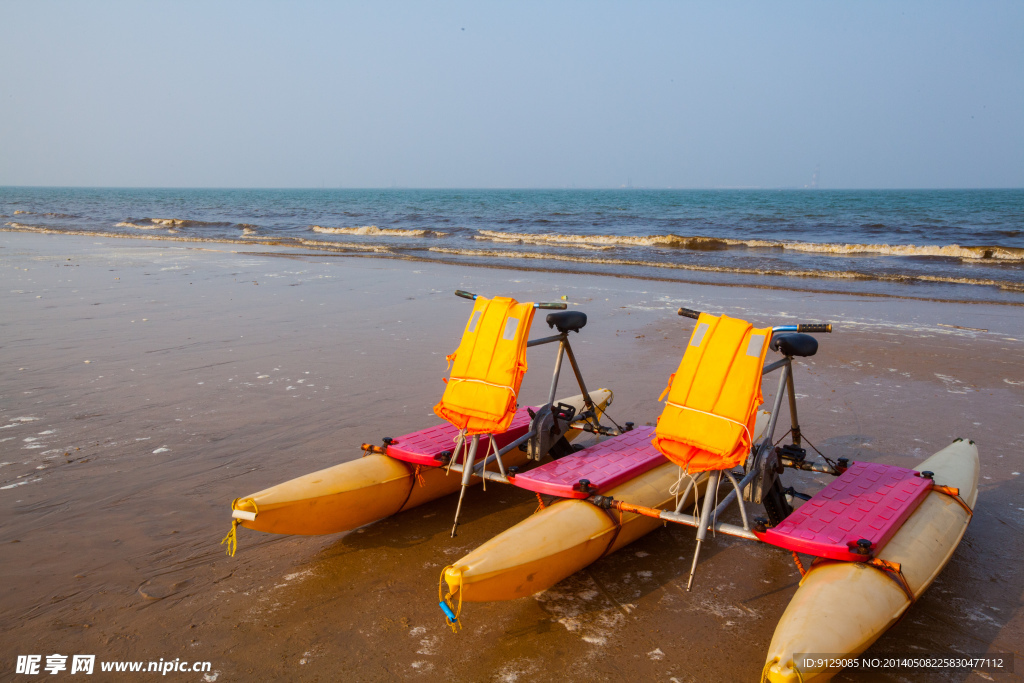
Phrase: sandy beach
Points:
(145, 385)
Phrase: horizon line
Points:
(513, 189)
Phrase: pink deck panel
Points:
(420, 447)
(604, 465)
(867, 501)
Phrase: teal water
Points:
(945, 244)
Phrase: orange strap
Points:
(668, 387)
(540, 504)
(954, 493)
(895, 570)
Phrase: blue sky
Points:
(484, 94)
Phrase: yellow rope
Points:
(447, 599)
(232, 538)
(768, 665)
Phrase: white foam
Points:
(828, 274)
(126, 224)
(953, 385)
(702, 243)
(376, 232)
(428, 645)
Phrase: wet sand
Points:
(145, 386)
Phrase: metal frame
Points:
(470, 468)
(753, 468)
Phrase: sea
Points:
(947, 245)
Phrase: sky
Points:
(524, 94)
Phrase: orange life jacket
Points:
(709, 417)
(488, 367)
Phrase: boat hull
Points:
(560, 540)
(565, 537)
(355, 493)
(842, 608)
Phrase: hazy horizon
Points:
(532, 96)
(521, 189)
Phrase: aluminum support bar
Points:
(732, 494)
(743, 508)
(702, 525)
(579, 378)
(794, 422)
(515, 444)
(778, 401)
(720, 527)
(466, 473)
(670, 516)
(489, 476)
(558, 369)
(545, 340)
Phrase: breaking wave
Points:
(127, 224)
(249, 236)
(699, 243)
(157, 223)
(48, 214)
(377, 232)
(611, 241)
(340, 247)
(829, 274)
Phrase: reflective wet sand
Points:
(145, 386)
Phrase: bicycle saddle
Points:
(794, 344)
(567, 321)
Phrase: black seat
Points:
(795, 344)
(567, 321)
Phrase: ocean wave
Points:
(611, 241)
(948, 250)
(155, 223)
(374, 231)
(779, 272)
(48, 214)
(700, 243)
(340, 247)
(512, 255)
(492, 236)
(127, 224)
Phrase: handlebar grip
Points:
(814, 327)
(552, 306)
(464, 294)
(688, 313)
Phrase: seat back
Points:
(488, 367)
(709, 416)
